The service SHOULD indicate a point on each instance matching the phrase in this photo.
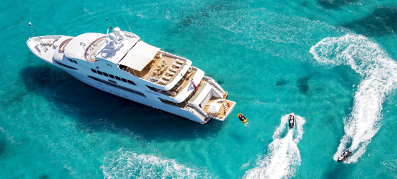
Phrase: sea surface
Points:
(331, 62)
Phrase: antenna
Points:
(109, 24)
(127, 23)
(31, 25)
(115, 21)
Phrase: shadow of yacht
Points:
(335, 4)
(95, 110)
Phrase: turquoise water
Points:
(331, 62)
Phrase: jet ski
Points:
(242, 118)
(291, 120)
(344, 155)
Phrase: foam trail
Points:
(127, 164)
(380, 79)
(283, 154)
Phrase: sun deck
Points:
(161, 70)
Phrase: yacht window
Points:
(153, 88)
(182, 104)
(123, 67)
(112, 81)
(124, 80)
(71, 60)
(99, 72)
(105, 74)
(131, 82)
(118, 78)
(74, 61)
(93, 70)
(117, 86)
(111, 76)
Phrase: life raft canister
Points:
(242, 118)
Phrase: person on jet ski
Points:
(345, 153)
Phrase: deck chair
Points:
(152, 79)
(162, 69)
(161, 81)
(179, 61)
(176, 65)
(155, 71)
(167, 78)
(172, 69)
(170, 73)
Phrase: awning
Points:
(139, 56)
(214, 107)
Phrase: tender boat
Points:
(291, 120)
(120, 63)
(344, 155)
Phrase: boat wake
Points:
(127, 164)
(283, 156)
(380, 79)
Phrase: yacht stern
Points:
(212, 100)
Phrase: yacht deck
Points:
(161, 70)
(222, 111)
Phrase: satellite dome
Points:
(112, 36)
(118, 33)
(112, 44)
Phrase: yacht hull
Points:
(186, 114)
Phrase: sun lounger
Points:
(176, 65)
(167, 78)
(180, 61)
(170, 73)
(162, 82)
(162, 69)
(172, 69)
(153, 79)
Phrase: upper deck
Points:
(168, 73)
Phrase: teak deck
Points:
(222, 111)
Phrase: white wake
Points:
(283, 156)
(127, 164)
(380, 79)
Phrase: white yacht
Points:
(122, 64)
